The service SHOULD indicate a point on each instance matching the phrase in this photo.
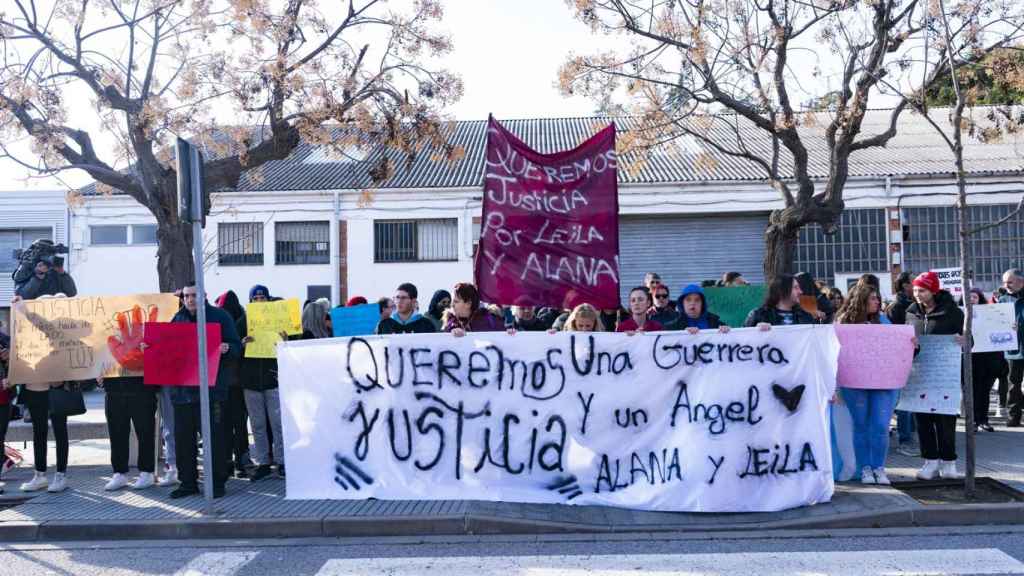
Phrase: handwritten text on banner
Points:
(713, 422)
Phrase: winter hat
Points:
(929, 281)
(257, 289)
(355, 301)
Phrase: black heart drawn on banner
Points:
(789, 398)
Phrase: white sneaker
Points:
(880, 477)
(145, 480)
(59, 483)
(169, 478)
(117, 481)
(929, 471)
(37, 483)
(948, 471)
(867, 476)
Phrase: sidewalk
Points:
(258, 510)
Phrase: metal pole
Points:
(204, 372)
(336, 252)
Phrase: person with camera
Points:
(47, 277)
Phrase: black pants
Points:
(237, 426)
(38, 404)
(5, 419)
(937, 435)
(125, 410)
(187, 430)
(982, 395)
(1015, 397)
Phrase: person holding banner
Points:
(237, 418)
(1013, 281)
(870, 409)
(405, 319)
(781, 306)
(935, 312)
(466, 315)
(260, 389)
(694, 315)
(986, 367)
(130, 403)
(187, 416)
(583, 318)
(441, 301)
(639, 308)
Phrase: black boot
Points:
(261, 472)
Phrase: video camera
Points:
(41, 250)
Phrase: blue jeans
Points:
(871, 411)
(905, 426)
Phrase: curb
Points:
(478, 524)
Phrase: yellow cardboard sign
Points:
(265, 321)
(56, 339)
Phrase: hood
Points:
(692, 289)
(415, 316)
(258, 288)
(229, 302)
(438, 296)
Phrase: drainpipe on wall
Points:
(336, 252)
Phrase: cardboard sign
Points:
(265, 321)
(733, 304)
(355, 320)
(56, 339)
(665, 421)
(874, 356)
(172, 354)
(934, 385)
(993, 328)
(809, 303)
(951, 281)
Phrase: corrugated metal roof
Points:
(916, 150)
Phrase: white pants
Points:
(260, 404)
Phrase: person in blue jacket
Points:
(187, 419)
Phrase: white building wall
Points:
(20, 209)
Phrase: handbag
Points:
(67, 400)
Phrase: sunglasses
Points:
(661, 296)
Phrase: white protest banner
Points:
(659, 421)
(934, 384)
(950, 280)
(993, 328)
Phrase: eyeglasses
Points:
(661, 296)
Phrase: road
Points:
(945, 551)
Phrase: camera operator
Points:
(48, 279)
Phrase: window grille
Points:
(859, 245)
(240, 243)
(303, 242)
(416, 240)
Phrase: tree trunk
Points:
(174, 256)
(780, 243)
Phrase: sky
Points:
(507, 51)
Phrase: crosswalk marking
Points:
(217, 563)
(857, 563)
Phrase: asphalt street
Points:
(945, 551)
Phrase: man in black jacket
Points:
(897, 311)
(187, 418)
(405, 319)
(1013, 281)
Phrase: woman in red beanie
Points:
(934, 312)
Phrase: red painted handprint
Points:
(126, 348)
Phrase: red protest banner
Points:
(550, 225)
(171, 357)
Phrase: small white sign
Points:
(951, 281)
(993, 328)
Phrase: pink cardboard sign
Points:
(171, 357)
(874, 356)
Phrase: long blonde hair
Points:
(583, 311)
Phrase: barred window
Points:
(931, 241)
(861, 244)
(303, 242)
(12, 239)
(240, 243)
(416, 240)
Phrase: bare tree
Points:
(249, 79)
(764, 80)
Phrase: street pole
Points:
(204, 370)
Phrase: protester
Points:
(187, 415)
(387, 307)
(439, 302)
(871, 410)
(47, 280)
(825, 311)
(730, 279)
(130, 404)
(584, 318)
(836, 298)
(1013, 281)
(781, 305)
(639, 306)
(260, 390)
(236, 419)
(405, 319)
(525, 319)
(316, 320)
(694, 315)
(610, 318)
(897, 312)
(663, 311)
(466, 315)
(651, 279)
(355, 301)
(6, 404)
(872, 281)
(935, 312)
(986, 367)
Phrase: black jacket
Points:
(946, 318)
(53, 283)
(417, 325)
(897, 311)
(229, 336)
(771, 316)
